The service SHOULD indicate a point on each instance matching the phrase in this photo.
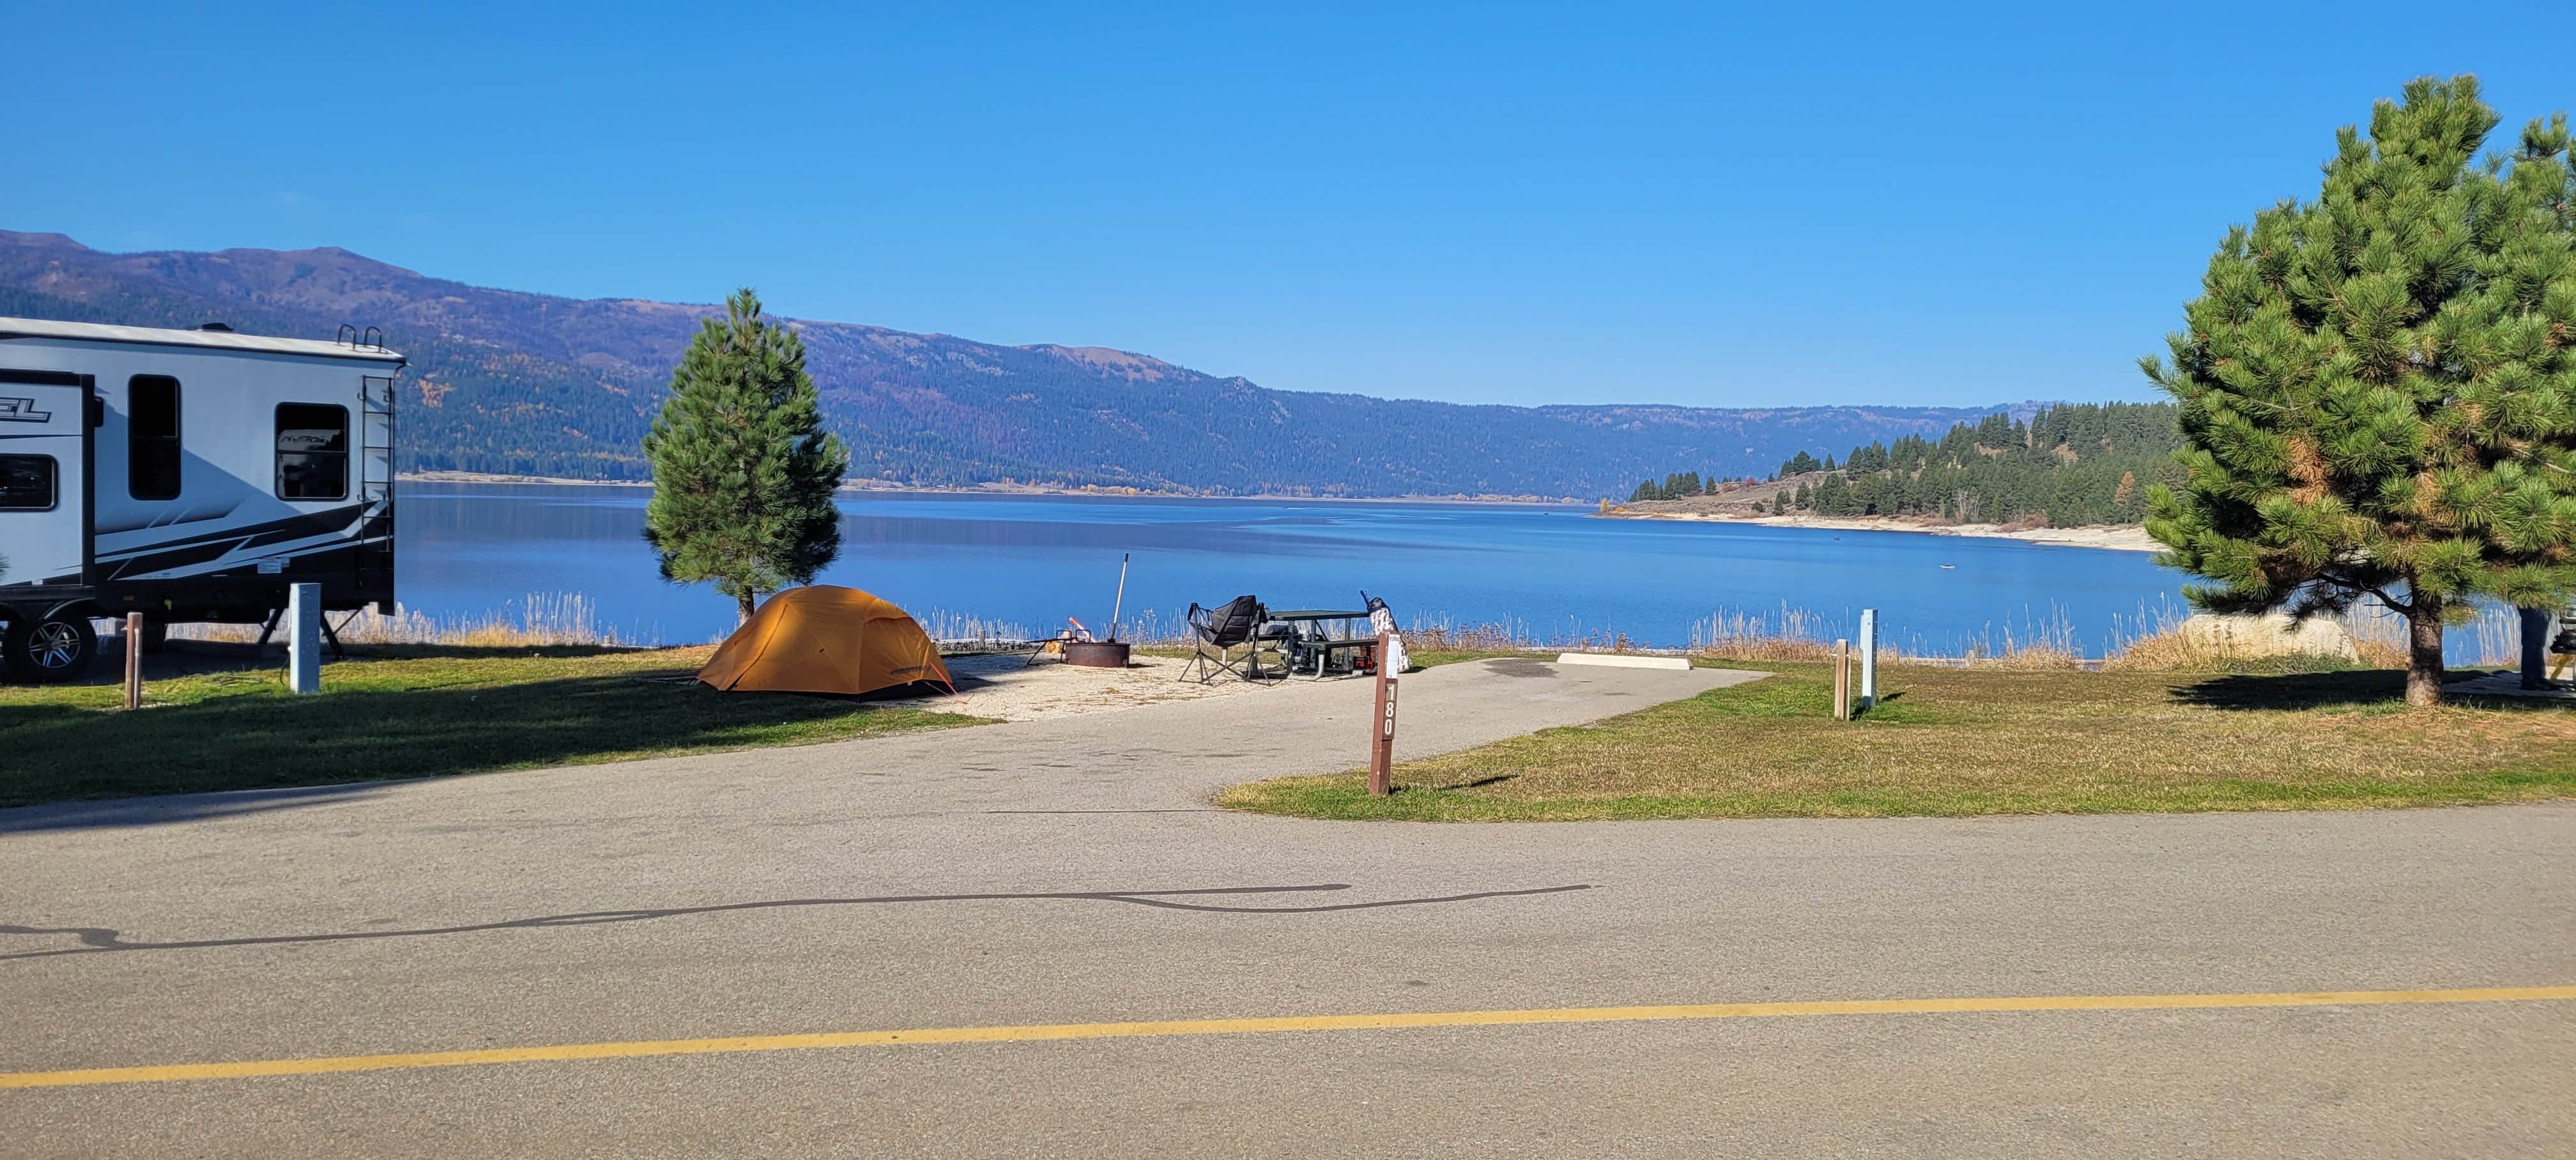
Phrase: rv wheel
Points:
(50, 648)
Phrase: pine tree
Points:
(743, 473)
(2378, 394)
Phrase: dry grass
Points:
(2150, 640)
(1964, 741)
(2482, 638)
(541, 619)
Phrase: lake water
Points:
(1031, 561)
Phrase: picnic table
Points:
(1321, 639)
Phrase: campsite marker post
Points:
(134, 660)
(1868, 658)
(1382, 744)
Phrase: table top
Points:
(1316, 614)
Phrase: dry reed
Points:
(542, 618)
(2151, 640)
(2482, 636)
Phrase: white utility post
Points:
(304, 638)
(1868, 657)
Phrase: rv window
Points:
(26, 483)
(152, 437)
(312, 451)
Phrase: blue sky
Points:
(1780, 205)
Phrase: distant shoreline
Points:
(1012, 489)
(2117, 538)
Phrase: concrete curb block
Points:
(1623, 661)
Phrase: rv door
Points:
(44, 480)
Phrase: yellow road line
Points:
(571, 1051)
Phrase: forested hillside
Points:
(2071, 465)
(510, 382)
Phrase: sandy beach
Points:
(2117, 539)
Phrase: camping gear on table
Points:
(824, 638)
(1216, 632)
(1315, 647)
(1382, 619)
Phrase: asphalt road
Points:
(1069, 872)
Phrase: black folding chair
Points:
(1216, 632)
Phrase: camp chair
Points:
(1216, 632)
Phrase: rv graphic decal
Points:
(22, 411)
(238, 547)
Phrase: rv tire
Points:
(57, 646)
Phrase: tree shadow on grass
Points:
(2345, 690)
(62, 753)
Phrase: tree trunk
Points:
(751, 600)
(2424, 653)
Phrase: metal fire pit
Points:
(1096, 654)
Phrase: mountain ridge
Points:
(514, 382)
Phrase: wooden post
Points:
(1382, 727)
(1842, 680)
(134, 660)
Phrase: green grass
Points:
(413, 711)
(1951, 742)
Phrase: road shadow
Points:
(170, 808)
(92, 940)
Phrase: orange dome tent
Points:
(825, 639)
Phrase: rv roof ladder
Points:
(376, 470)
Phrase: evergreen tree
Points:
(743, 473)
(2378, 393)
(1804, 496)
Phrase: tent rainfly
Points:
(825, 639)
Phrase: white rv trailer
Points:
(189, 475)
